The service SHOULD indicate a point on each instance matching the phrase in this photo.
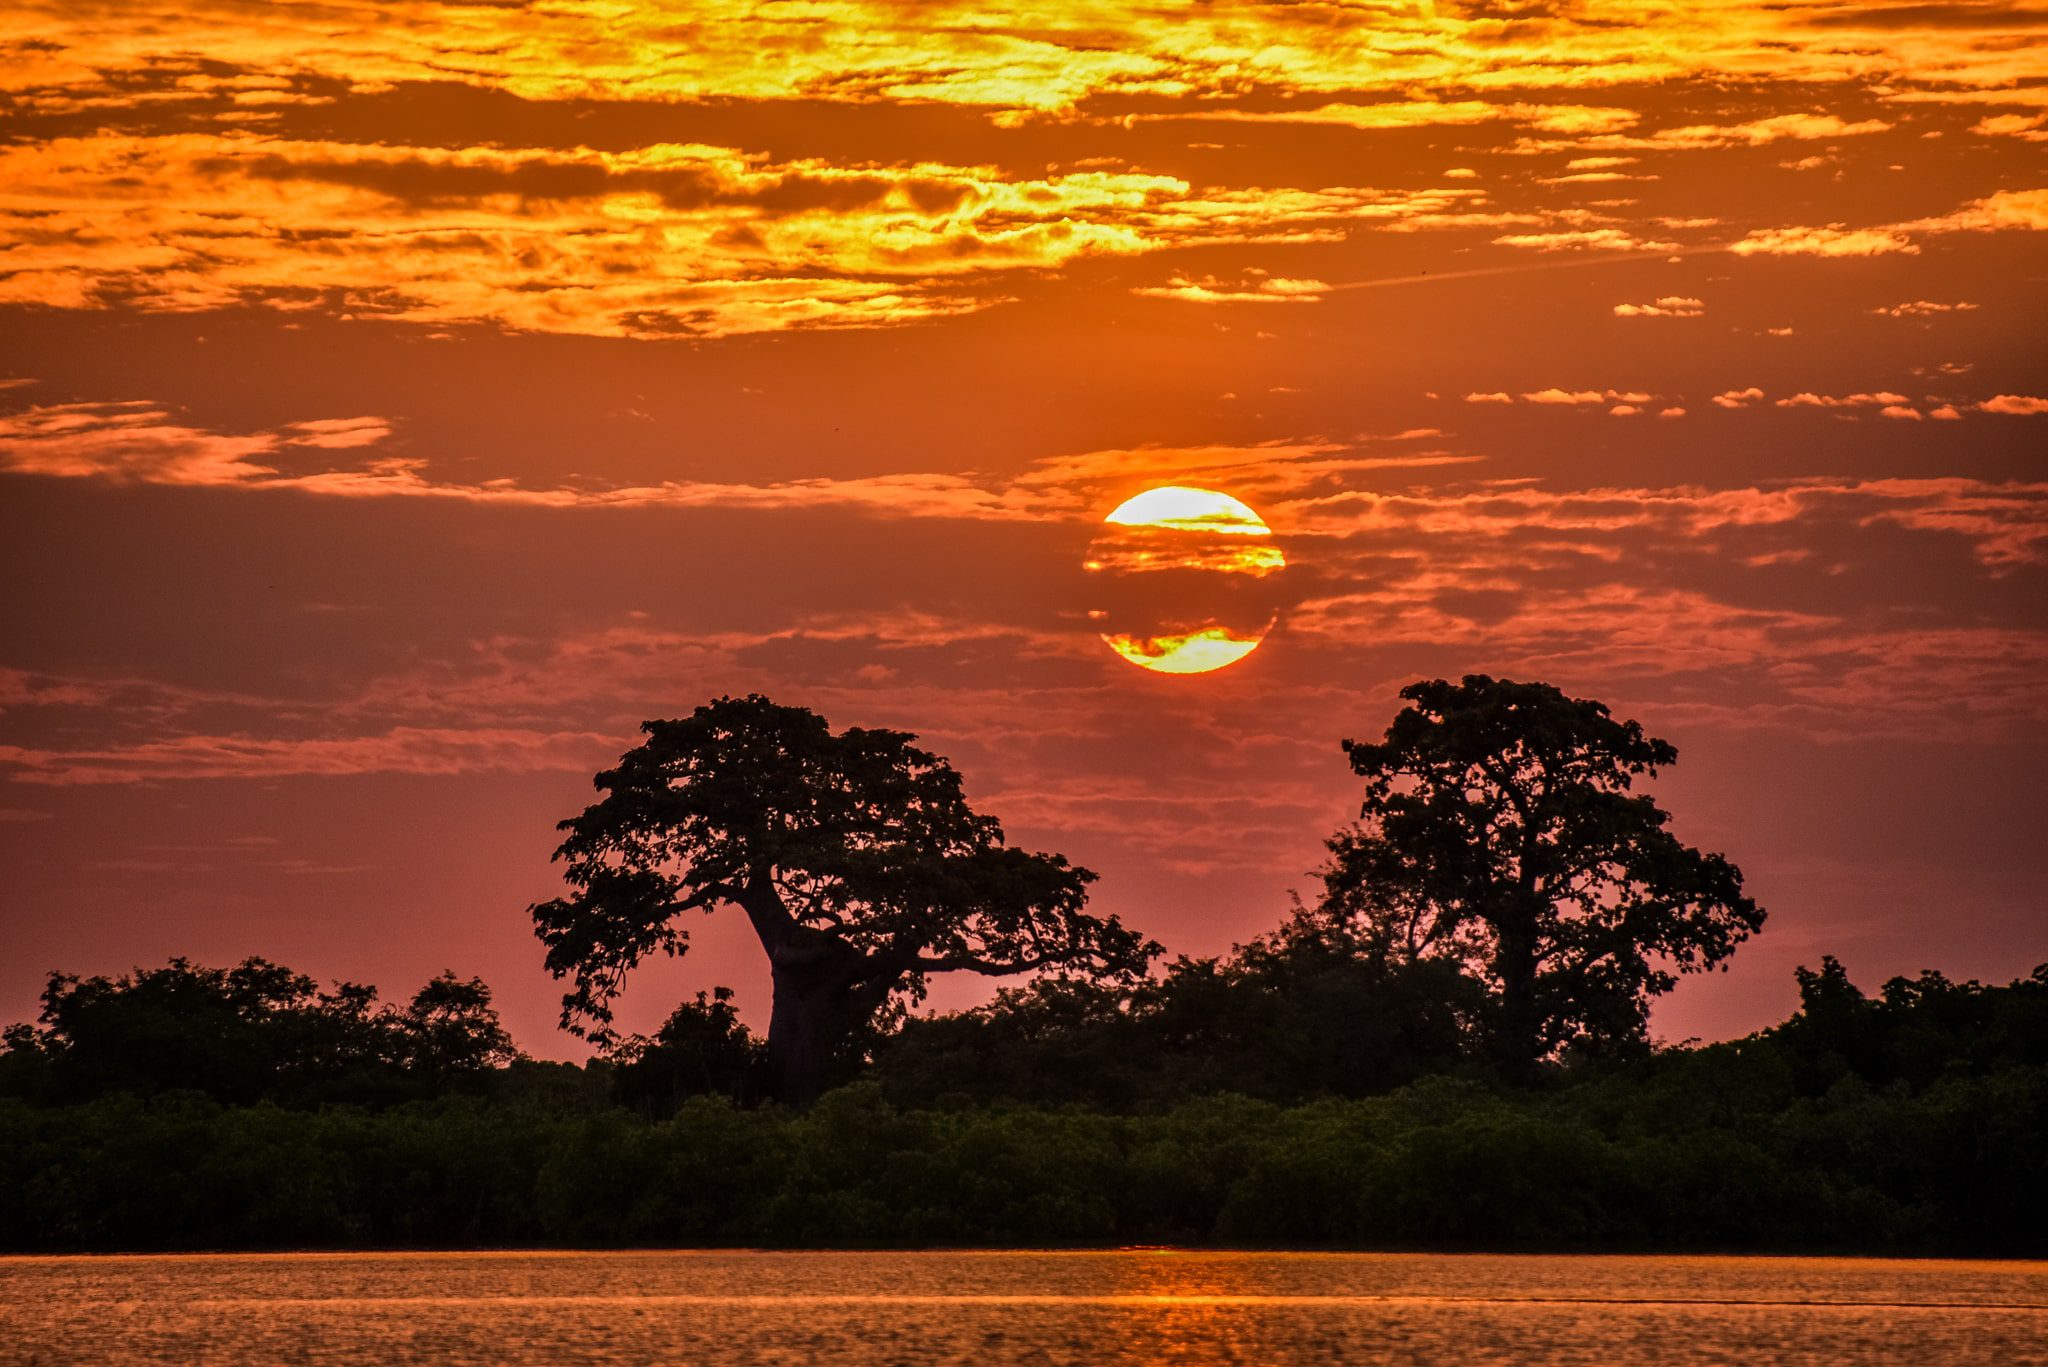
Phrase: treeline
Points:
(255, 1032)
(1448, 1047)
(1915, 1120)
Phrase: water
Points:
(996, 1309)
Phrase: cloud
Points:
(653, 241)
(2026, 127)
(1304, 487)
(2002, 519)
(1245, 53)
(338, 434)
(134, 442)
(1257, 290)
(1834, 240)
(1671, 306)
(1423, 114)
(1643, 588)
(1811, 400)
(1580, 239)
(1738, 398)
(1565, 396)
(138, 442)
(2006, 210)
(1758, 132)
(1920, 308)
(2000, 212)
(399, 750)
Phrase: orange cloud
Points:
(1257, 290)
(2005, 210)
(136, 442)
(652, 241)
(2027, 127)
(859, 51)
(1920, 308)
(1598, 239)
(1810, 400)
(1834, 240)
(1672, 306)
(2008, 209)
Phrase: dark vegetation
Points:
(1447, 1048)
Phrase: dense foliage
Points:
(256, 1032)
(1916, 1120)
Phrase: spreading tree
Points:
(1499, 829)
(854, 856)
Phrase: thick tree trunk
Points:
(815, 977)
(1517, 1036)
(800, 1039)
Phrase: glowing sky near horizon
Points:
(400, 401)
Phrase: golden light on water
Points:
(1181, 577)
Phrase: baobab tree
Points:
(854, 856)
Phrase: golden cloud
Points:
(1836, 239)
(1671, 306)
(1306, 488)
(67, 55)
(661, 240)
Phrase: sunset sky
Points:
(400, 401)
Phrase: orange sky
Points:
(399, 401)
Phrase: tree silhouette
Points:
(854, 856)
(452, 1029)
(256, 1032)
(1499, 830)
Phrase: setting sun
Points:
(1179, 572)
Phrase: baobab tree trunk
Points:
(815, 1008)
(799, 1040)
(1517, 1033)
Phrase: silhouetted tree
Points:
(854, 856)
(1499, 830)
(702, 1049)
(254, 1032)
(1915, 1030)
(452, 1029)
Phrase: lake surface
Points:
(995, 1309)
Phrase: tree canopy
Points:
(254, 1031)
(1500, 829)
(854, 856)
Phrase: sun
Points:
(1185, 580)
